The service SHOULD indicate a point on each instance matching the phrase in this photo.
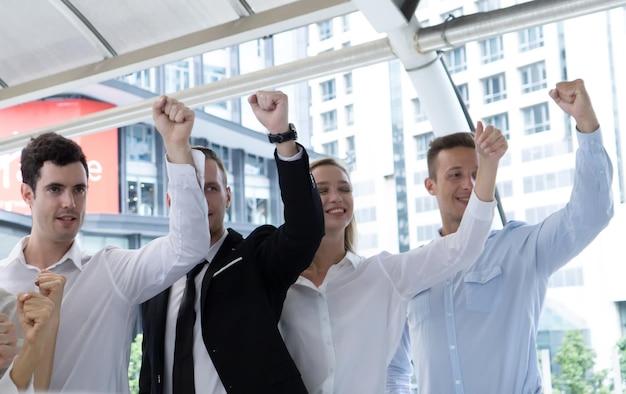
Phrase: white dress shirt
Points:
(206, 378)
(205, 375)
(103, 290)
(344, 334)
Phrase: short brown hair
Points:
(52, 147)
(446, 142)
(210, 154)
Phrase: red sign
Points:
(100, 149)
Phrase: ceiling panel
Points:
(131, 25)
(37, 40)
(52, 46)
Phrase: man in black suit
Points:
(237, 347)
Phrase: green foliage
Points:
(621, 345)
(577, 362)
(135, 364)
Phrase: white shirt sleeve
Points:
(418, 269)
(143, 273)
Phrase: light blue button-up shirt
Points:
(475, 332)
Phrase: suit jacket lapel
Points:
(233, 239)
(155, 310)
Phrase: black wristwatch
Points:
(288, 135)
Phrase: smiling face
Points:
(336, 194)
(58, 202)
(453, 183)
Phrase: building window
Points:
(566, 277)
(533, 77)
(495, 88)
(418, 112)
(499, 121)
(141, 198)
(347, 81)
(368, 241)
(365, 215)
(329, 120)
(257, 211)
(425, 204)
(140, 143)
(143, 79)
(422, 143)
(331, 149)
(325, 29)
(456, 60)
(530, 38)
(539, 152)
(455, 13)
(547, 181)
(491, 50)
(214, 74)
(349, 109)
(464, 92)
(328, 90)
(427, 232)
(350, 153)
(177, 76)
(345, 21)
(536, 118)
(487, 5)
(223, 152)
(505, 189)
(255, 165)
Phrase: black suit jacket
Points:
(242, 297)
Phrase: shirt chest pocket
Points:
(419, 308)
(482, 289)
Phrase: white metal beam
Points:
(289, 16)
(326, 63)
(474, 27)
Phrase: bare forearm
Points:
(43, 370)
(24, 366)
(486, 180)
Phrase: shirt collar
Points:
(216, 247)
(73, 254)
(353, 259)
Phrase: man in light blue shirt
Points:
(476, 331)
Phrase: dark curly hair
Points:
(49, 147)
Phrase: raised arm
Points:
(564, 234)
(490, 146)
(290, 249)
(421, 268)
(143, 273)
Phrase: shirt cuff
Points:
(481, 210)
(182, 174)
(295, 157)
(590, 140)
(8, 387)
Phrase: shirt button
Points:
(457, 381)
(452, 347)
(449, 314)
(448, 283)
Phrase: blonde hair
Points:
(350, 233)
